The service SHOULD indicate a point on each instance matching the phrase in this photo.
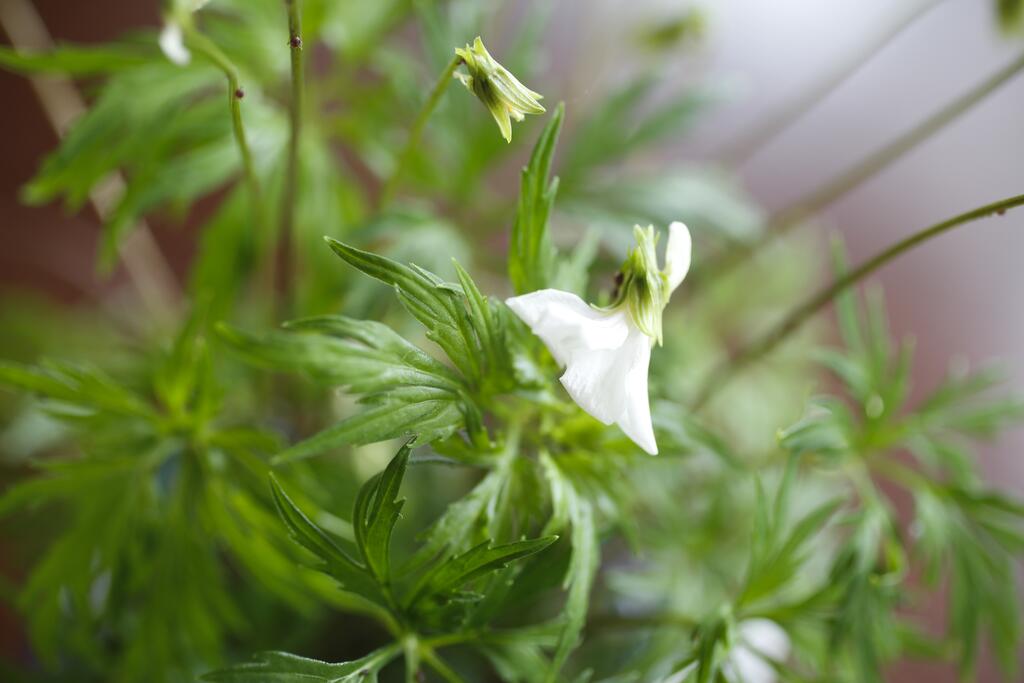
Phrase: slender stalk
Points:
(286, 239)
(792, 216)
(749, 146)
(438, 665)
(767, 342)
(391, 186)
(206, 47)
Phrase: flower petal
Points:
(677, 254)
(758, 639)
(636, 422)
(172, 42)
(567, 324)
(606, 358)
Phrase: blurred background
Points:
(958, 296)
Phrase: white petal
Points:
(636, 422)
(677, 254)
(606, 358)
(172, 42)
(758, 638)
(567, 324)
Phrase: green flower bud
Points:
(503, 95)
(644, 288)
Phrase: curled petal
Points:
(172, 43)
(677, 254)
(606, 358)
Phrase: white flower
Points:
(606, 352)
(757, 640)
(172, 37)
(172, 42)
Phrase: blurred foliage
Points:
(195, 498)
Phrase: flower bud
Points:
(503, 95)
(645, 288)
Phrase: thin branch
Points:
(392, 184)
(750, 145)
(438, 665)
(289, 207)
(62, 104)
(206, 47)
(788, 218)
(721, 375)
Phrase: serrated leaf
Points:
(335, 561)
(573, 509)
(376, 513)
(480, 560)
(281, 667)
(438, 306)
(429, 414)
(531, 257)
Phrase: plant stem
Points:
(764, 344)
(788, 218)
(749, 146)
(289, 207)
(391, 186)
(438, 665)
(204, 46)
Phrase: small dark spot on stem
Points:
(1001, 212)
(239, 93)
(296, 42)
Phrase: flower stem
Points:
(206, 47)
(790, 217)
(767, 342)
(391, 186)
(289, 207)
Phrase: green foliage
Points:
(959, 525)
(135, 469)
(280, 666)
(531, 257)
(404, 389)
(162, 487)
(411, 608)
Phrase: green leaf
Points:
(482, 559)
(570, 508)
(404, 391)
(335, 561)
(377, 511)
(429, 414)
(281, 667)
(440, 307)
(80, 60)
(82, 386)
(531, 257)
